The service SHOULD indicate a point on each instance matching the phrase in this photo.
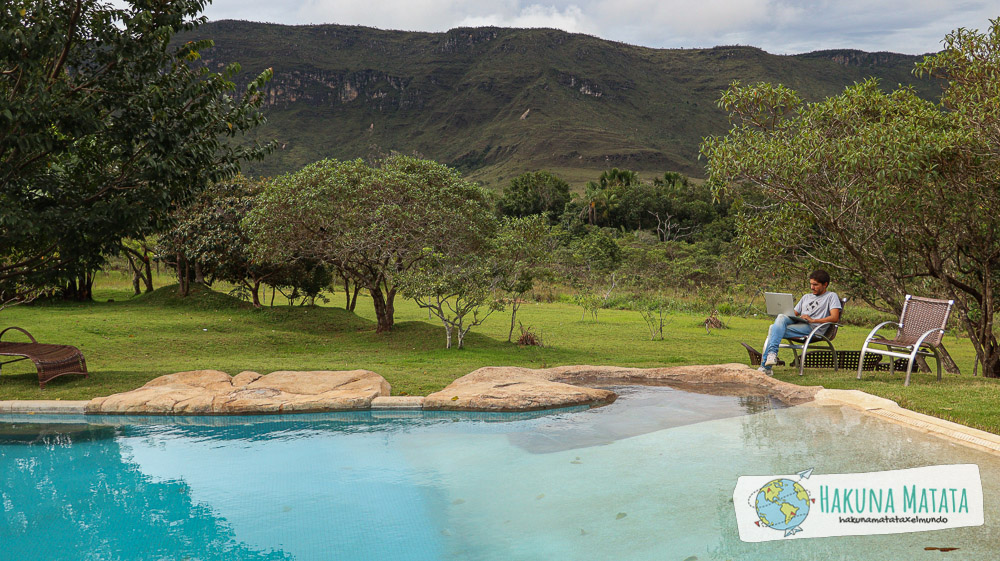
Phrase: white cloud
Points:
(778, 26)
(569, 19)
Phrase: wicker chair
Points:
(826, 339)
(51, 361)
(919, 332)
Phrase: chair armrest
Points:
(877, 327)
(920, 341)
(19, 329)
(817, 328)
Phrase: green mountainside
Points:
(495, 102)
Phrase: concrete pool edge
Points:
(889, 410)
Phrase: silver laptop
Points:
(781, 303)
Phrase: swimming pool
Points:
(648, 477)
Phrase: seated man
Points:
(820, 306)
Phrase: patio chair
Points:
(825, 339)
(919, 332)
(755, 357)
(51, 361)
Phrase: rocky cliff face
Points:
(497, 102)
(378, 91)
(862, 59)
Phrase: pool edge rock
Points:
(509, 388)
(212, 392)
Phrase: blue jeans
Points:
(782, 327)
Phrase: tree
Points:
(886, 188)
(105, 126)
(139, 253)
(615, 177)
(536, 192)
(372, 223)
(522, 246)
(461, 290)
(598, 203)
(966, 259)
(208, 234)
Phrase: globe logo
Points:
(782, 504)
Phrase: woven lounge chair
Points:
(51, 361)
(919, 332)
(826, 340)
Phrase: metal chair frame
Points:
(901, 349)
(812, 339)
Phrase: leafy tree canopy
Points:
(105, 125)
(535, 192)
(894, 193)
(372, 222)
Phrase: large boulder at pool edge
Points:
(511, 388)
(211, 392)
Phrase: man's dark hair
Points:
(820, 276)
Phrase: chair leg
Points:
(937, 358)
(835, 361)
(861, 359)
(909, 366)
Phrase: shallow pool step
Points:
(31, 406)
(398, 402)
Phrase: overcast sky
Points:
(777, 26)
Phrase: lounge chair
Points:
(826, 339)
(919, 332)
(51, 361)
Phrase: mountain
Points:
(495, 102)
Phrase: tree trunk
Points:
(949, 363)
(513, 314)
(461, 336)
(79, 288)
(141, 271)
(183, 273)
(149, 273)
(89, 277)
(383, 309)
(354, 299)
(199, 276)
(993, 371)
(135, 271)
(255, 290)
(991, 358)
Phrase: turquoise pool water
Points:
(648, 477)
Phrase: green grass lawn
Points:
(134, 339)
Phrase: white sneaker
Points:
(765, 370)
(772, 359)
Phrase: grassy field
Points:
(133, 339)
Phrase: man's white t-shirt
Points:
(818, 307)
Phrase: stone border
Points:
(398, 403)
(43, 407)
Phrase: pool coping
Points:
(890, 411)
(882, 408)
